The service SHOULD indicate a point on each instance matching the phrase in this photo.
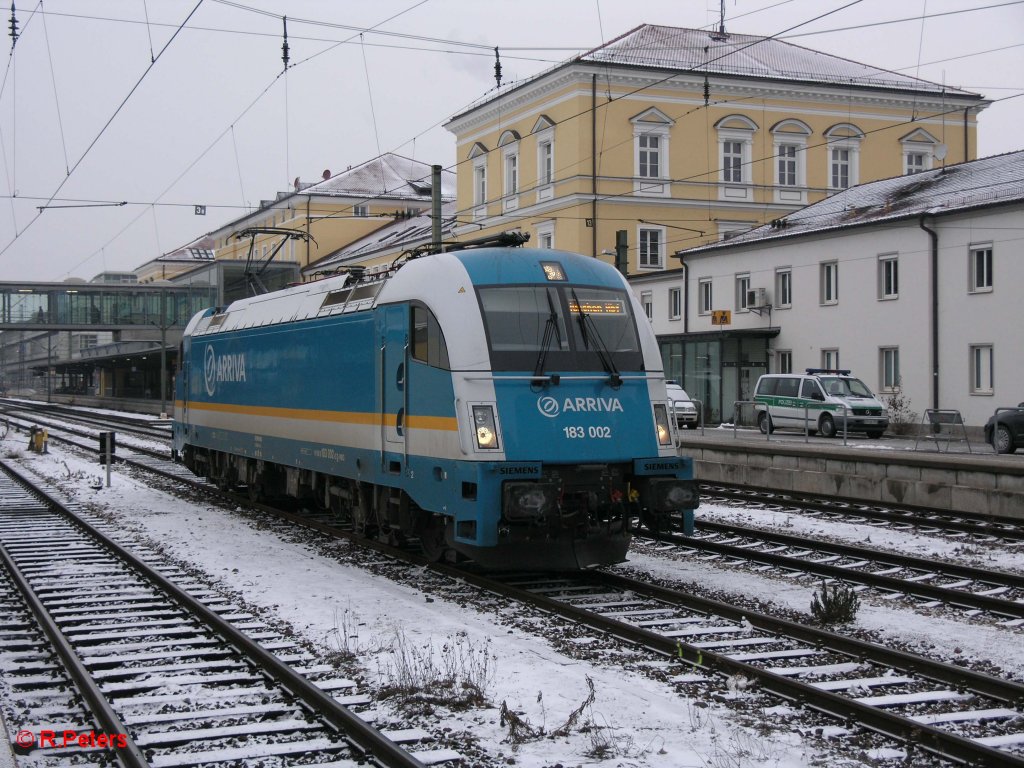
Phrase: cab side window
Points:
(428, 345)
(789, 387)
(810, 390)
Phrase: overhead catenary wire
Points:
(56, 98)
(106, 125)
(364, 43)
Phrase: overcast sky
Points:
(88, 118)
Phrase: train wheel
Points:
(433, 537)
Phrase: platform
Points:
(885, 470)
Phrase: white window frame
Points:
(888, 369)
(786, 163)
(829, 283)
(844, 137)
(982, 369)
(545, 164)
(983, 282)
(784, 360)
(888, 277)
(480, 187)
(840, 168)
(87, 340)
(647, 302)
(360, 210)
(743, 188)
(706, 296)
(830, 358)
(546, 235)
(783, 288)
(733, 164)
(643, 248)
(675, 303)
(651, 124)
(730, 229)
(789, 172)
(916, 161)
(510, 174)
(742, 287)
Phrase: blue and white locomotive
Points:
(498, 404)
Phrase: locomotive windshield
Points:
(559, 328)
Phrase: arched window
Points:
(544, 130)
(842, 143)
(735, 149)
(789, 139)
(478, 154)
(509, 143)
(651, 131)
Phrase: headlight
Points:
(484, 428)
(529, 501)
(661, 424)
(669, 494)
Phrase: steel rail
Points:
(130, 755)
(52, 410)
(930, 738)
(366, 738)
(973, 523)
(959, 597)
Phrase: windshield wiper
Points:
(599, 347)
(550, 330)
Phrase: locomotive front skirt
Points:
(497, 404)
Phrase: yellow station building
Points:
(680, 137)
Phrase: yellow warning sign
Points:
(721, 317)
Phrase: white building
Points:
(911, 282)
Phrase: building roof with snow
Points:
(987, 182)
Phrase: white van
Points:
(683, 408)
(821, 400)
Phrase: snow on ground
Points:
(642, 722)
(947, 638)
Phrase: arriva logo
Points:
(223, 368)
(550, 407)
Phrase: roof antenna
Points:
(720, 33)
(497, 67)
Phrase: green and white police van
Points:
(820, 400)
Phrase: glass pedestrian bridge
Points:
(100, 306)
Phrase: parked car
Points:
(682, 406)
(820, 400)
(1004, 430)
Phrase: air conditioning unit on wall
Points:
(757, 297)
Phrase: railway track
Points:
(45, 414)
(940, 709)
(932, 707)
(167, 672)
(934, 582)
(978, 526)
